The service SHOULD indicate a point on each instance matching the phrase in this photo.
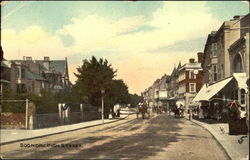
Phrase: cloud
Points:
(128, 43)
(92, 31)
(33, 41)
(174, 21)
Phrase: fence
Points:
(29, 119)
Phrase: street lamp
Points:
(102, 91)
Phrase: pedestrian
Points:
(189, 114)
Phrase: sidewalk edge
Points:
(220, 144)
(24, 139)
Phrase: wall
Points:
(232, 34)
(12, 120)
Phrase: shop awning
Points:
(207, 92)
(241, 79)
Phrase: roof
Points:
(57, 65)
(207, 92)
(5, 64)
(179, 66)
(241, 79)
(236, 43)
(191, 66)
(174, 72)
(33, 76)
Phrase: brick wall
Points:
(12, 120)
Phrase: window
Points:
(214, 49)
(215, 74)
(18, 74)
(22, 73)
(181, 76)
(21, 88)
(182, 89)
(236, 95)
(237, 64)
(192, 75)
(192, 87)
(242, 96)
(33, 86)
(42, 85)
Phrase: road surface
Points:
(161, 137)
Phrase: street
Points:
(161, 137)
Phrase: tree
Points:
(95, 75)
(135, 99)
(118, 94)
(119, 91)
(92, 76)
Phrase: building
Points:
(226, 67)
(172, 82)
(161, 93)
(189, 81)
(31, 76)
(172, 87)
(216, 61)
(5, 75)
(156, 95)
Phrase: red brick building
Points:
(189, 80)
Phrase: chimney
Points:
(46, 58)
(191, 60)
(28, 58)
(200, 56)
(46, 62)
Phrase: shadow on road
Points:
(136, 139)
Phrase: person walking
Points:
(189, 114)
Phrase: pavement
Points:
(15, 135)
(236, 146)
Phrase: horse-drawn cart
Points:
(143, 109)
(178, 112)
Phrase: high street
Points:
(161, 137)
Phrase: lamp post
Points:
(102, 91)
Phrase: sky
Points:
(143, 40)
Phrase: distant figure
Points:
(117, 110)
(143, 109)
(201, 116)
(189, 114)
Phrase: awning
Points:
(208, 92)
(241, 79)
(4, 81)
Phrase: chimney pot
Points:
(191, 60)
(46, 58)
